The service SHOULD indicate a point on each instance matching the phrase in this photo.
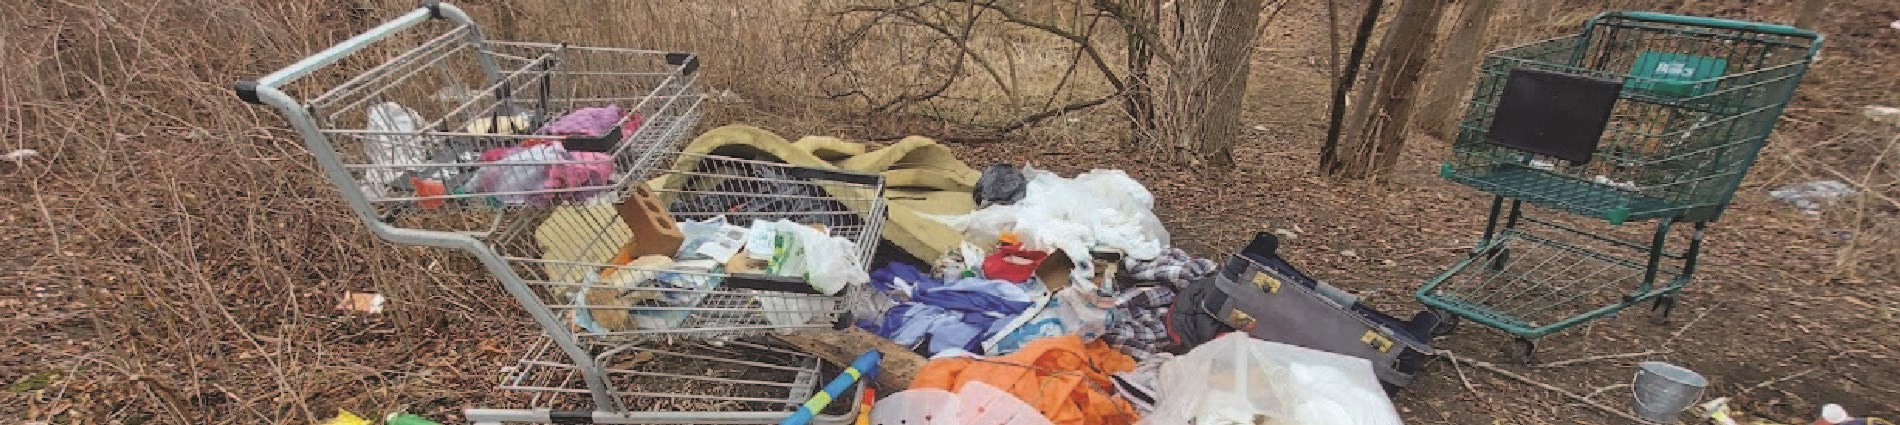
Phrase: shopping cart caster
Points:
(1498, 259)
(1659, 311)
(1447, 323)
(1524, 351)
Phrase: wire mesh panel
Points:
(1698, 99)
(435, 142)
(743, 375)
(681, 333)
(1534, 284)
(573, 254)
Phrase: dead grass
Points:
(172, 256)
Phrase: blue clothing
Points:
(960, 314)
(995, 298)
(908, 323)
(900, 277)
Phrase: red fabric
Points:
(1012, 263)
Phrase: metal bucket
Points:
(1663, 390)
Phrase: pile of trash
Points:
(1055, 309)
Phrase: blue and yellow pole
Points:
(864, 368)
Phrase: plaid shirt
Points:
(1141, 328)
(1173, 266)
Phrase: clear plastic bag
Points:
(1238, 380)
(711, 238)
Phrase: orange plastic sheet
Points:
(1066, 380)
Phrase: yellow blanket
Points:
(920, 177)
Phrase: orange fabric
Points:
(1060, 376)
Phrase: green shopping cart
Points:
(1641, 117)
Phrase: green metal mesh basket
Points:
(1698, 99)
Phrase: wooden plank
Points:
(896, 370)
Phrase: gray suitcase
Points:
(1271, 300)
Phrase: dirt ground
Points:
(1762, 320)
(126, 302)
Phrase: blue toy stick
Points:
(864, 368)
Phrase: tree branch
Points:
(1143, 29)
(1055, 112)
(997, 133)
(1081, 40)
(1547, 387)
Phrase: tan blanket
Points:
(920, 177)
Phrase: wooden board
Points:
(895, 372)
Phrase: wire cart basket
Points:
(1640, 117)
(440, 137)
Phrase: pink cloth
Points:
(588, 169)
(596, 121)
(498, 154)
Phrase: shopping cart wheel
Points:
(1447, 323)
(1659, 311)
(1524, 351)
(1500, 259)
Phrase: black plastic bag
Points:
(1001, 184)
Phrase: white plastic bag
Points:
(1080, 314)
(1097, 209)
(976, 403)
(390, 149)
(516, 179)
(1237, 380)
(828, 262)
(831, 263)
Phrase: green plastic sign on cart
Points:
(1675, 74)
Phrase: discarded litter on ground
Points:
(1815, 196)
(663, 270)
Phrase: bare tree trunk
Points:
(1228, 28)
(1461, 54)
(1342, 84)
(1139, 103)
(1378, 126)
(1810, 13)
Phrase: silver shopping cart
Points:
(436, 136)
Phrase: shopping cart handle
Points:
(247, 89)
(1704, 21)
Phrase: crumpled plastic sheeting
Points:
(1236, 379)
(515, 178)
(576, 169)
(1812, 197)
(1096, 209)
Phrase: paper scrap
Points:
(362, 302)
